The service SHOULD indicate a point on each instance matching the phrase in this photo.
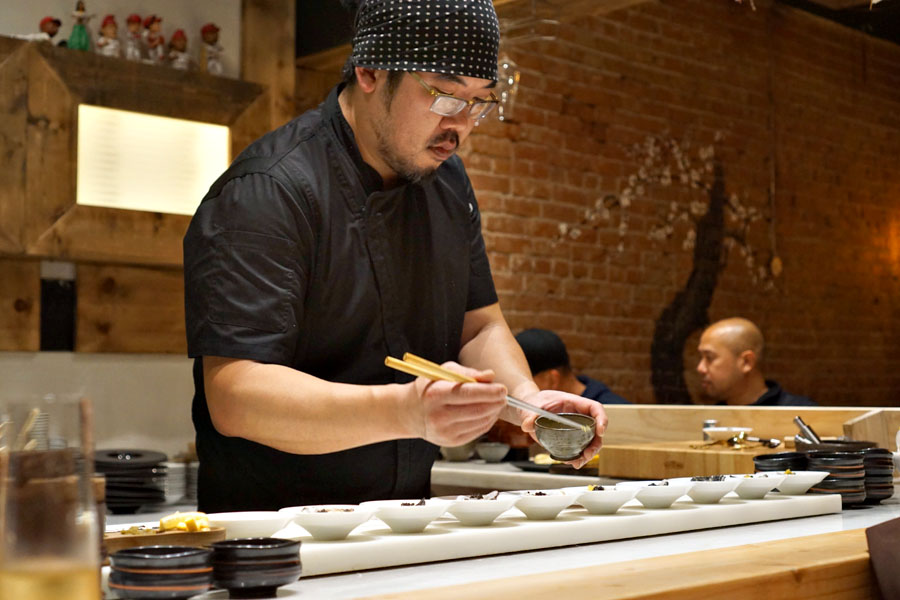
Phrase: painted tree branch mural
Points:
(709, 222)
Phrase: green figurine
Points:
(79, 39)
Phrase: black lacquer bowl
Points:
(879, 475)
(781, 461)
(847, 475)
(160, 572)
(255, 567)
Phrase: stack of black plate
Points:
(134, 478)
(780, 461)
(879, 475)
(847, 475)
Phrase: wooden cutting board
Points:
(659, 460)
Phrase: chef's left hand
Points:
(563, 402)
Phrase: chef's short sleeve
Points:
(247, 257)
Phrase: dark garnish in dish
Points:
(659, 484)
(595, 488)
(708, 478)
(536, 493)
(328, 510)
(489, 496)
(419, 503)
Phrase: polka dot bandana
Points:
(453, 37)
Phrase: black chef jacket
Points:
(297, 257)
(776, 396)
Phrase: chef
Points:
(350, 234)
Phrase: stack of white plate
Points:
(176, 482)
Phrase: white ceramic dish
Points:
(407, 516)
(491, 452)
(247, 524)
(897, 461)
(479, 512)
(706, 492)
(799, 482)
(601, 502)
(656, 496)
(755, 486)
(329, 522)
(542, 505)
(725, 433)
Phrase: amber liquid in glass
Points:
(49, 580)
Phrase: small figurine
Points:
(178, 56)
(211, 54)
(133, 42)
(154, 43)
(49, 27)
(108, 40)
(79, 38)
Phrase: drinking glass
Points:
(49, 533)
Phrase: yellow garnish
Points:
(188, 521)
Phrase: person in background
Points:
(548, 360)
(731, 352)
(347, 235)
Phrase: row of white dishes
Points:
(335, 522)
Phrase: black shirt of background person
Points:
(775, 396)
(597, 390)
(297, 257)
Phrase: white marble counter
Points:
(404, 579)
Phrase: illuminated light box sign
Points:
(137, 161)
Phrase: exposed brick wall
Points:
(805, 108)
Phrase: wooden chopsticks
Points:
(420, 367)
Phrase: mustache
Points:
(447, 136)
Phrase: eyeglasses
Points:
(448, 106)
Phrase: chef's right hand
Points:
(451, 414)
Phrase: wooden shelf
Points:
(41, 87)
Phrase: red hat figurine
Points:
(108, 20)
(148, 21)
(209, 28)
(179, 35)
(133, 18)
(47, 20)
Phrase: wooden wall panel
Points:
(130, 309)
(13, 119)
(267, 53)
(20, 305)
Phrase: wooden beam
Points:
(20, 305)
(841, 4)
(94, 233)
(832, 565)
(13, 127)
(267, 52)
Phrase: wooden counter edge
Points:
(832, 565)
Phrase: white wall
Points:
(141, 401)
(20, 17)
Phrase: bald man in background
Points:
(731, 352)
